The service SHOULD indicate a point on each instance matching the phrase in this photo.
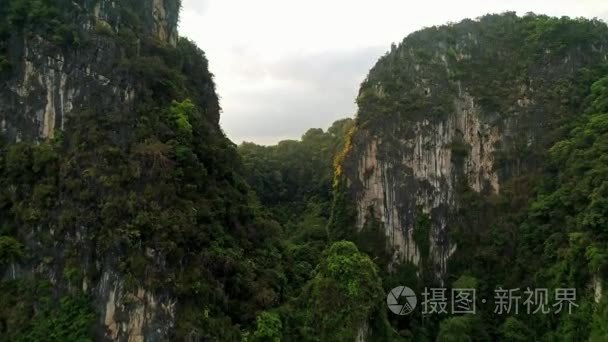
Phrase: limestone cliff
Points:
(465, 106)
(74, 58)
(49, 77)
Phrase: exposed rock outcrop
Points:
(48, 81)
(132, 315)
(453, 107)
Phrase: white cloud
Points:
(284, 66)
(196, 6)
(283, 98)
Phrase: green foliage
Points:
(573, 197)
(515, 330)
(343, 211)
(44, 17)
(103, 28)
(465, 328)
(11, 250)
(599, 330)
(180, 113)
(546, 227)
(372, 240)
(345, 295)
(165, 197)
(551, 236)
(494, 59)
(466, 282)
(68, 319)
(562, 240)
(156, 194)
(293, 181)
(268, 328)
(455, 329)
(290, 175)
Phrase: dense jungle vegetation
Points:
(546, 228)
(256, 243)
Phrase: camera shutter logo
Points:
(408, 300)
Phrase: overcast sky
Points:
(283, 66)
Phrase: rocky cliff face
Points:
(47, 80)
(49, 83)
(158, 17)
(465, 106)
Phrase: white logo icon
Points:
(408, 300)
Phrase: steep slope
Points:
(564, 237)
(293, 181)
(295, 177)
(123, 213)
(476, 162)
(468, 106)
(331, 291)
(58, 56)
